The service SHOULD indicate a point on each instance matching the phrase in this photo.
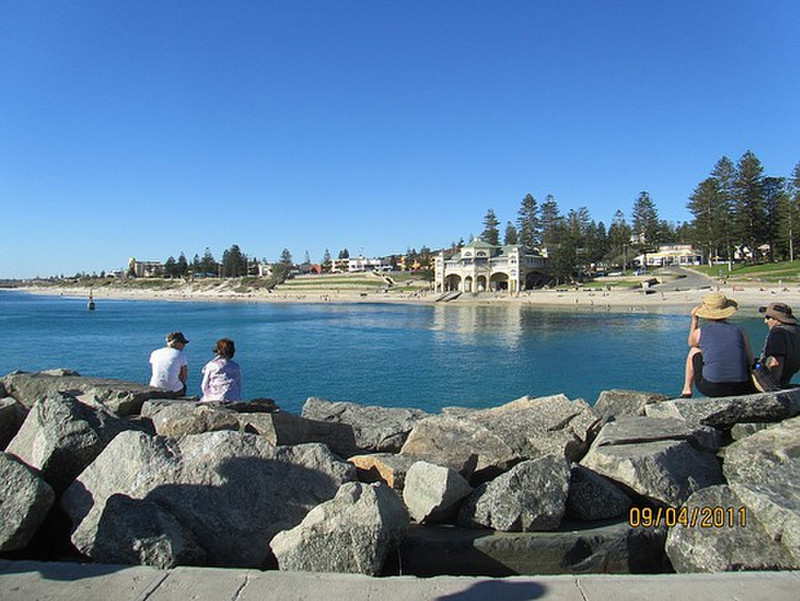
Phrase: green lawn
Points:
(785, 271)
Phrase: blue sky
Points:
(149, 128)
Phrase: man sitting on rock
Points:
(781, 352)
(169, 365)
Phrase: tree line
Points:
(738, 214)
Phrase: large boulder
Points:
(432, 491)
(229, 492)
(625, 403)
(764, 472)
(354, 532)
(531, 496)
(139, 531)
(718, 534)
(12, 415)
(628, 430)
(185, 417)
(722, 413)
(493, 440)
(663, 459)
(25, 499)
(375, 429)
(121, 397)
(592, 497)
(608, 548)
(665, 471)
(61, 436)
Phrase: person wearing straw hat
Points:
(781, 352)
(719, 358)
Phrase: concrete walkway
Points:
(29, 580)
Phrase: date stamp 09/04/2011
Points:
(704, 516)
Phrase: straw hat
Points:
(717, 306)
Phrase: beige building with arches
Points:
(481, 267)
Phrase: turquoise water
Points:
(391, 355)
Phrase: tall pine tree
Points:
(490, 232)
(750, 205)
(528, 224)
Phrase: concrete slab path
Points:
(29, 580)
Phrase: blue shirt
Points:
(724, 352)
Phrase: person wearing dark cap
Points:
(169, 365)
(781, 352)
(719, 358)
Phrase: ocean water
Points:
(427, 357)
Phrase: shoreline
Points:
(749, 296)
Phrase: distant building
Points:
(145, 269)
(339, 265)
(671, 254)
(361, 263)
(480, 266)
(264, 269)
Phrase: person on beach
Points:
(781, 352)
(222, 377)
(169, 366)
(719, 358)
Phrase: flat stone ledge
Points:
(24, 580)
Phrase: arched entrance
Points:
(452, 282)
(499, 282)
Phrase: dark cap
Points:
(780, 311)
(176, 337)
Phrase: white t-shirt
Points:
(166, 363)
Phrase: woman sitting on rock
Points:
(719, 358)
(222, 377)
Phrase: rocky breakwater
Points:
(636, 483)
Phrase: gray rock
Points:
(722, 413)
(383, 467)
(609, 548)
(25, 499)
(727, 544)
(186, 417)
(431, 492)
(740, 431)
(665, 471)
(375, 429)
(625, 403)
(62, 435)
(764, 472)
(354, 532)
(121, 397)
(138, 531)
(461, 444)
(592, 497)
(287, 429)
(12, 414)
(629, 430)
(531, 496)
(503, 436)
(231, 492)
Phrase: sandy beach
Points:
(671, 299)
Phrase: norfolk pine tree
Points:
(528, 224)
(710, 218)
(750, 205)
(490, 232)
(510, 235)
